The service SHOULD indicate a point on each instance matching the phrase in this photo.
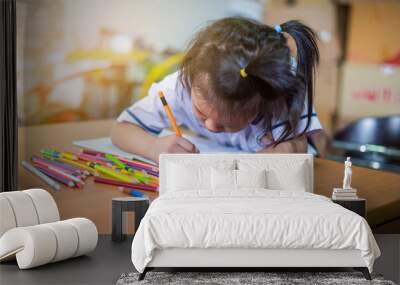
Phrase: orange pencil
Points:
(169, 114)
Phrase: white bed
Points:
(201, 219)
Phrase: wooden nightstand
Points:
(358, 206)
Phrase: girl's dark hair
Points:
(271, 89)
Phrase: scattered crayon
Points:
(53, 184)
(58, 154)
(111, 173)
(47, 163)
(116, 161)
(56, 176)
(81, 165)
(124, 184)
(72, 169)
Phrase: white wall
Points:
(48, 30)
(163, 23)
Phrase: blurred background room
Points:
(80, 63)
(88, 60)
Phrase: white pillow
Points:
(291, 179)
(230, 180)
(281, 174)
(186, 175)
(223, 179)
(182, 177)
(251, 178)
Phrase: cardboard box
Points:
(326, 120)
(320, 15)
(326, 93)
(369, 90)
(372, 34)
(326, 87)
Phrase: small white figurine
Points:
(347, 174)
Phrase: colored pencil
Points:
(132, 169)
(142, 159)
(102, 158)
(115, 160)
(50, 163)
(103, 180)
(67, 182)
(73, 164)
(92, 158)
(139, 165)
(142, 177)
(144, 165)
(132, 192)
(60, 171)
(66, 166)
(132, 156)
(139, 175)
(150, 173)
(170, 115)
(144, 171)
(53, 184)
(67, 175)
(110, 172)
(79, 164)
(56, 176)
(68, 155)
(58, 154)
(136, 193)
(56, 172)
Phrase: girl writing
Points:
(241, 83)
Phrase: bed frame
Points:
(249, 259)
(246, 259)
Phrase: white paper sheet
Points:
(205, 145)
(105, 145)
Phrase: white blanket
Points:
(250, 219)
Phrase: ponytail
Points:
(307, 58)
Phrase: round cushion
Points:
(7, 218)
(40, 244)
(45, 205)
(33, 246)
(67, 240)
(87, 233)
(23, 208)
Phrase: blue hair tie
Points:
(278, 29)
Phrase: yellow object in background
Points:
(100, 54)
(159, 71)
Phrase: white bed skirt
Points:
(192, 257)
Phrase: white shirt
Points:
(149, 114)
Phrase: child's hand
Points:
(173, 144)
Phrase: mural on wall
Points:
(83, 60)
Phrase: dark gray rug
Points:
(233, 278)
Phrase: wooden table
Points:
(381, 189)
(94, 200)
